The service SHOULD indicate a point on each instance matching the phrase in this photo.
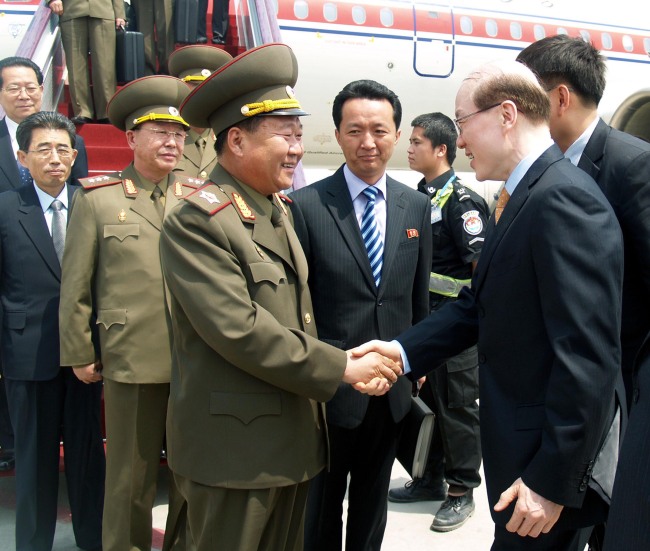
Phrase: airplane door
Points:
(433, 40)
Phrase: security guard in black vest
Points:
(458, 221)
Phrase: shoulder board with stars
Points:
(100, 181)
(184, 181)
(209, 199)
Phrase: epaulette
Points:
(461, 191)
(101, 181)
(185, 181)
(209, 198)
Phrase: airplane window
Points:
(515, 30)
(646, 45)
(359, 15)
(586, 36)
(301, 9)
(491, 27)
(628, 43)
(606, 39)
(562, 30)
(330, 13)
(466, 25)
(539, 31)
(386, 17)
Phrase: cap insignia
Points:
(244, 210)
(205, 73)
(173, 111)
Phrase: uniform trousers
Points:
(155, 22)
(262, 519)
(451, 391)
(6, 432)
(135, 430)
(43, 413)
(80, 35)
(365, 453)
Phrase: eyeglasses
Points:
(464, 118)
(179, 137)
(30, 90)
(46, 152)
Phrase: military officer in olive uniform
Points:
(458, 222)
(193, 64)
(112, 278)
(245, 431)
(155, 18)
(89, 26)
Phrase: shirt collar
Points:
(46, 200)
(524, 165)
(357, 185)
(577, 148)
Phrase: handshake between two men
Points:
(373, 367)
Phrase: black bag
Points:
(129, 56)
(415, 440)
(186, 20)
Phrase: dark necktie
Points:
(25, 176)
(156, 197)
(502, 201)
(371, 236)
(58, 228)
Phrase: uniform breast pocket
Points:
(262, 272)
(121, 231)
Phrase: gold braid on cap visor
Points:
(269, 105)
(194, 78)
(160, 117)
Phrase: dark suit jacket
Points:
(545, 306)
(9, 175)
(620, 164)
(348, 308)
(30, 278)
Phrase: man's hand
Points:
(90, 373)
(533, 514)
(363, 369)
(388, 349)
(120, 23)
(56, 6)
(377, 387)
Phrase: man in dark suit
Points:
(46, 401)
(21, 94)
(572, 72)
(545, 305)
(354, 302)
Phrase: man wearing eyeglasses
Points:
(46, 401)
(112, 271)
(545, 307)
(21, 94)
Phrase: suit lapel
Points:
(32, 220)
(593, 154)
(342, 211)
(7, 160)
(495, 232)
(395, 213)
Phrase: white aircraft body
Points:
(423, 50)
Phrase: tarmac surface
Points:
(407, 529)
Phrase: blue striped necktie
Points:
(371, 236)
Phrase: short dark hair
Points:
(249, 125)
(50, 120)
(439, 129)
(20, 62)
(561, 59)
(366, 89)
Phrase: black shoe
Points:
(103, 121)
(418, 489)
(202, 40)
(80, 120)
(453, 513)
(7, 460)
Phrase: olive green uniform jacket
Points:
(111, 268)
(194, 162)
(248, 370)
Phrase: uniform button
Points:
(307, 317)
(583, 487)
(380, 303)
(203, 174)
(481, 358)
